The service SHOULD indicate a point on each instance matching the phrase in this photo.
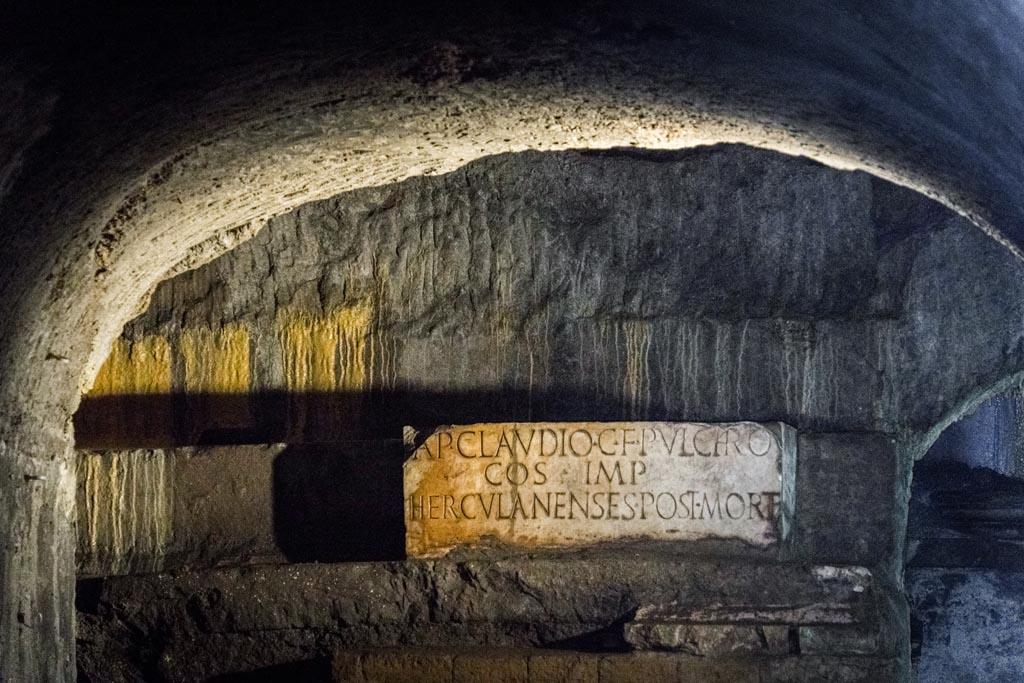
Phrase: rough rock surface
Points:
(969, 623)
(718, 284)
(209, 624)
(535, 286)
(721, 284)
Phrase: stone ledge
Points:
(522, 591)
(417, 665)
(740, 640)
(704, 640)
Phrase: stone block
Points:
(563, 668)
(718, 670)
(498, 666)
(745, 623)
(709, 639)
(837, 640)
(407, 666)
(811, 669)
(845, 513)
(159, 510)
(645, 667)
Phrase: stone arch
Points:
(165, 174)
(965, 407)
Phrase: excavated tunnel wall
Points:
(717, 284)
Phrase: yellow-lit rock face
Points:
(130, 393)
(135, 367)
(125, 510)
(325, 352)
(325, 367)
(216, 364)
(132, 398)
(216, 361)
(543, 485)
(176, 386)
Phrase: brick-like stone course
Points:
(535, 666)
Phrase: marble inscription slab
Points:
(543, 485)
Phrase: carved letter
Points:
(462, 506)
(671, 499)
(573, 439)
(487, 474)
(524, 446)
(600, 442)
(626, 441)
(728, 509)
(458, 444)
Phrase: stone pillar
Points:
(37, 557)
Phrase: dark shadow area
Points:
(611, 638)
(965, 517)
(340, 505)
(169, 420)
(967, 496)
(313, 671)
(87, 595)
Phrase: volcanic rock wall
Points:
(713, 285)
(716, 285)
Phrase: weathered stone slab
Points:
(840, 617)
(838, 640)
(709, 640)
(842, 596)
(539, 485)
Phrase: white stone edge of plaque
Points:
(787, 437)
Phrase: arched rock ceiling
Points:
(157, 146)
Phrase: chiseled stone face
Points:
(542, 485)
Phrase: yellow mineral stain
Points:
(502, 332)
(382, 345)
(635, 378)
(325, 352)
(384, 359)
(216, 361)
(135, 368)
(128, 509)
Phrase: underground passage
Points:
(585, 342)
